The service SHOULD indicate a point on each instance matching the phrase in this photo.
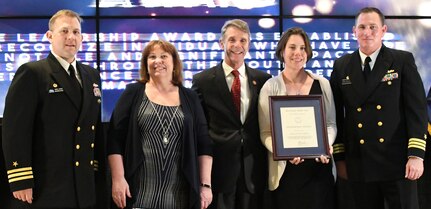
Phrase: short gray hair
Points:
(237, 23)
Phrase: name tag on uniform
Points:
(346, 81)
(56, 90)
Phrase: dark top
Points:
(309, 185)
(125, 138)
(162, 185)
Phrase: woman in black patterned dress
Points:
(158, 145)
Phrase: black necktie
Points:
(75, 84)
(367, 68)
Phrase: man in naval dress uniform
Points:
(381, 119)
(51, 123)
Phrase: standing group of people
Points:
(211, 146)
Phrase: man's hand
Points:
(25, 195)
(341, 169)
(414, 168)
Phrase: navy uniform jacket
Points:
(48, 138)
(233, 141)
(380, 122)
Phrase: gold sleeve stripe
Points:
(415, 146)
(417, 141)
(20, 178)
(429, 128)
(19, 170)
(10, 176)
(338, 145)
(339, 150)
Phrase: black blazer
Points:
(233, 141)
(124, 138)
(380, 122)
(48, 138)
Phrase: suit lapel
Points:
(87, 90)
(253, 92)
(62, 78)
(383, 62)
(362, 88)
(355, 74)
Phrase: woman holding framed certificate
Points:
(298, 181)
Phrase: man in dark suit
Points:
(50, 120)
(239, 172)
(381, 119)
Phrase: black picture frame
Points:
(301, 132)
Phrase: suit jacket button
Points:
(77, 146)
(76, 163)
(359, 109)
(92, 145)
(362, 141)
(92, 127)
(378, 107)
(91, 162)
(380, 123)
(389, 83)
(78, 129)
(359, 125)
(381, 140)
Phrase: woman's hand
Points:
(296, 160)
(206, 197)
(120, 188)
(323, 159)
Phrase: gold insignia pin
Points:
(15, 164)
(347, 77)
(54, 85)
(254, 82)
(391, 71)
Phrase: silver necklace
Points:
(165, 131)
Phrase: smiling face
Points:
(235, 44)
(65, 37)
(294, 54)
(160, 64)
(369, 31)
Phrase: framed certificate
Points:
(298, 127)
